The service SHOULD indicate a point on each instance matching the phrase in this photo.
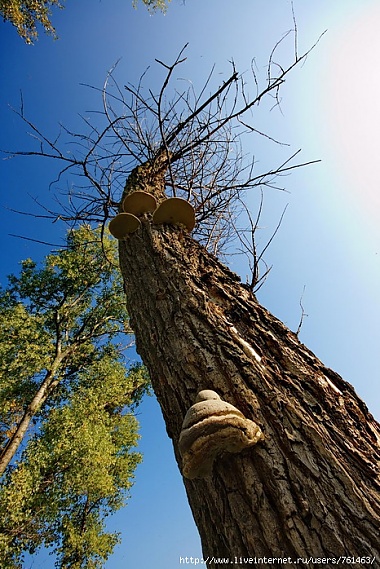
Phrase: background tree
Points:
(310, 488)
(25, 15)
(66, 404)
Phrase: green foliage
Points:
(60, 324)
(25, 15)
(61, 312)
(154, 5)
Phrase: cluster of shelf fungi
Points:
(172, 211)
(211, 426)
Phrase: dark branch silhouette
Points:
(195, 138)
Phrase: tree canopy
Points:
(26, 15)
(66, 404)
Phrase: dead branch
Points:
(248, 245)
(303, 314)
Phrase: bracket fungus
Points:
(139, 203)
(211, 427)
(123, 224)
(175, 211)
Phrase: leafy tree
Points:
(65, 393)
(25, 15)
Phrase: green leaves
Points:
(154, 5)
(26, 14)
(77, 470)
(53, 319)
(66, 393)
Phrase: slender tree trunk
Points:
(49, 382)
(311, 487)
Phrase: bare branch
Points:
(303, 314)
(295, 33)
(196, 138)
(249, 246)
(37, 241)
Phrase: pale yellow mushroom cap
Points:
(138, 203)
(123, 224)
(175, 211)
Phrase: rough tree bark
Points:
(311, 488)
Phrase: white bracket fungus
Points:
(175, 211)
(139, 203)
(123, 224)
(210, 428)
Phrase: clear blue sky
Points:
(329, 240)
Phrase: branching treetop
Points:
(192, 139)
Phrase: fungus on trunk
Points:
(138, 203)
(212, 427)
(175, 211)
(123, 224)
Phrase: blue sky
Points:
(329, 240)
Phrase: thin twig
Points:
(303, 314)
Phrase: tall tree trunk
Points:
(311, 487)
(49, 382)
